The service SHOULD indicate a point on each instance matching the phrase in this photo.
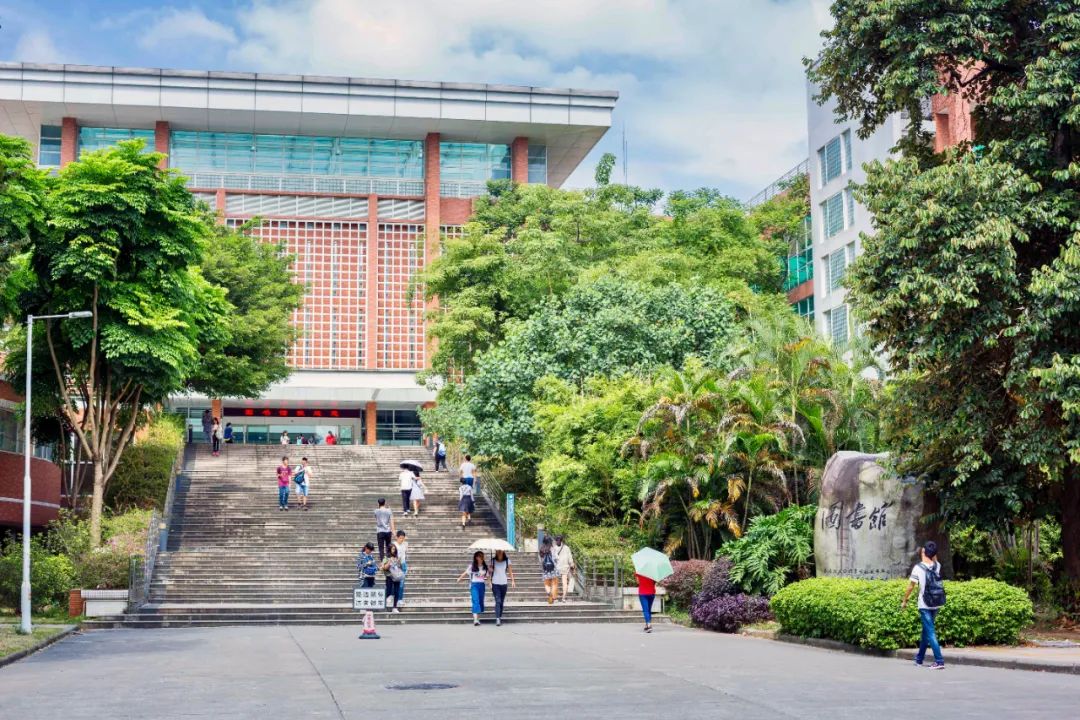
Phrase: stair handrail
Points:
(141, 568)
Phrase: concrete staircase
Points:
(234, 559)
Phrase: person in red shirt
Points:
(330, 439)
(284, 475)
(646, 590)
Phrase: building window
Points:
(400, 341)
(91, 138)
(49, 146)
(836, 265)
(800, 261)
(832, 215)
(849, 204)
(836, 321)
(846, 135)
(538, 164)
(474, 161)
(829, 161)
(295, 155)
(804, 308)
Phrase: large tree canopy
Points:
(970, 282)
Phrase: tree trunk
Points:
(1070, 534)
(97, 504)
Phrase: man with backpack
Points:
(440, 455)
(302, 478)
(927, 576)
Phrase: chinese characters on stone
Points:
(856, 517)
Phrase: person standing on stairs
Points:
(550, 570)
(215, 437)
(564, 564)
(384, 527)
(366, 567)
(477, 573)
(468, 471)
(207, 424)
(440, 455)
(466, 505)
(417, 493)
(405, 482)
(501, 572)
(394, 575)
(284, 439)
(401, 542)
(284, 477)
(302, 478)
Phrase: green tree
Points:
(22, 198)
(263, 294)
(124, 240)
(970, 282)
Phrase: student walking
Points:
(416, 493)
(405, 482)
(284, 476)
(927, 576)
(550, 570)
(366, 566)
(215, 437)
(646, 591)
(468, 471)
(440, 455)
(477, 572)
(564, 564)
(394, 575)
(466, 504)
(401, 542)
(384, 527)
(501, 573)
(302, 478)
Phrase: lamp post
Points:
(25, 626)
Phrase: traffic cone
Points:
(369, 627)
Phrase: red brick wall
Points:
(8, 393)
(801, 291)
(69, 141)
(455, 211)
(45, 478)
(371, 289)
(519, 160)
(161, 141)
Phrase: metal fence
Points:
(141, 567)
(780, 184)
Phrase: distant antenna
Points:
(625, 157)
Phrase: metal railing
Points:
(141, 567)
(306, 184)
(600, 578)
(463, 188)
(780, 184)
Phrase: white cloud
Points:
(712, 91)
(178, 27)
(37, 46)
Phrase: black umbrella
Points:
(411, 465)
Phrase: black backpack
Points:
(933, 594)
(548, 562)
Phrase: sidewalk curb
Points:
(909, 654)
(15, 657)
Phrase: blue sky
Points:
(712, 91)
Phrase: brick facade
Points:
(519, 160)
(161, 141)
(45, 479)
(801, 291)
(69, 140)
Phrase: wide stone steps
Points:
(235, 559)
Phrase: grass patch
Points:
(12, 642)
(677, 615)
(764, 626)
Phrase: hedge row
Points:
(867, 612)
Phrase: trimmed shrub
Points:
(727, 613)
(141, 479)
(104, 569)
(867, 612)
(50, 575)
(717, 582)
(686, 582)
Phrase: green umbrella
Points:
(652, 564)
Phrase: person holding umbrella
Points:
(501, 572)
(477, 572)
(405, 482)
(650, 566)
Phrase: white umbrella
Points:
(492, 544)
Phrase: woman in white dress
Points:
(417, 493)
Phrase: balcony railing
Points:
(306, 184)
(799, 268)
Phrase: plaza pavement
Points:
(546, 671)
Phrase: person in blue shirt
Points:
(367, 566)
(228, 434)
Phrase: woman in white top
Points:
(477, 572)
(466, 504)
(501, 572)
(284, 437)
(417, 493)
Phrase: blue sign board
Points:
(510, 534)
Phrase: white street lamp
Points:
(26, 627)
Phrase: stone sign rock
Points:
(869, 520)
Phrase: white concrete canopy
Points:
(568, 121)
(345, 389)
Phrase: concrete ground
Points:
(523, 671)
